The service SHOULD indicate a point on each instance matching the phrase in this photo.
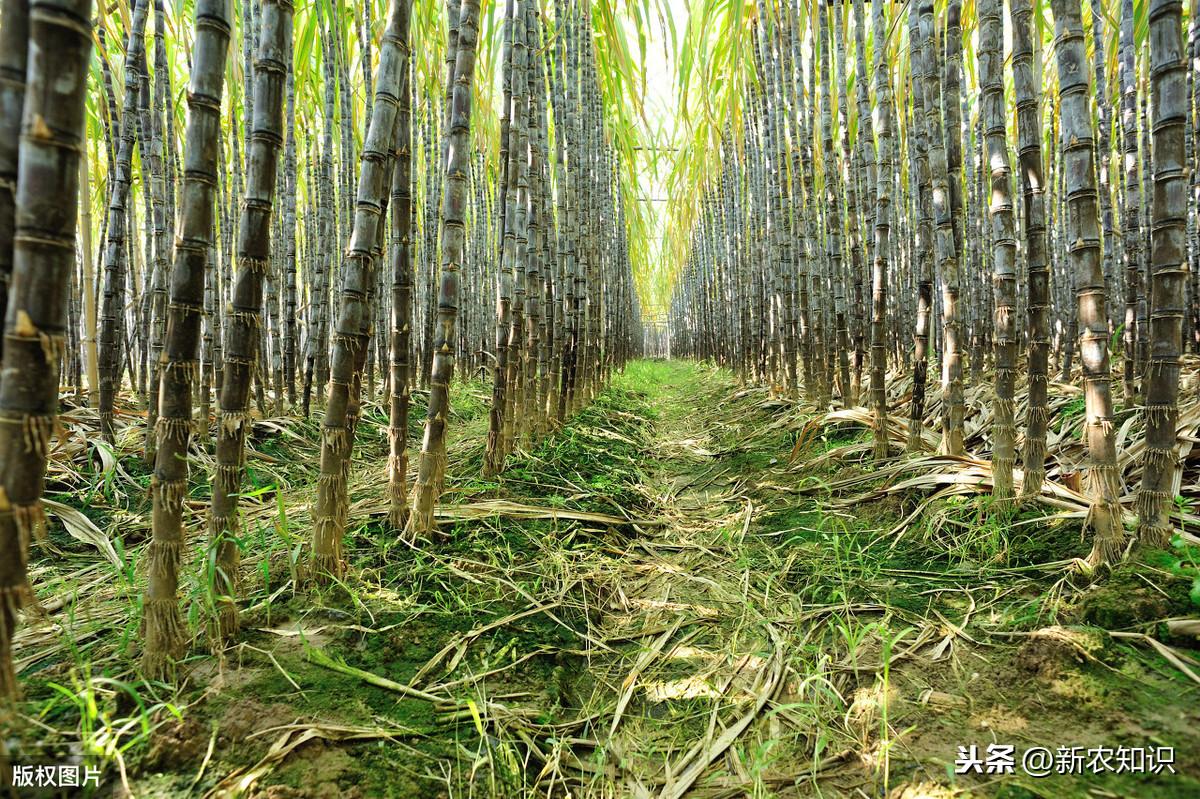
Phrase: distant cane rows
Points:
(912, 195)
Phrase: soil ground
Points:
(674, 595)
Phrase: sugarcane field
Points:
(600, 399)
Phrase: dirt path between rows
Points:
(783, 645)
(673, 595)
(710, 655)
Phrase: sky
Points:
(659, 103)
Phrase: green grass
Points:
(670, 440)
